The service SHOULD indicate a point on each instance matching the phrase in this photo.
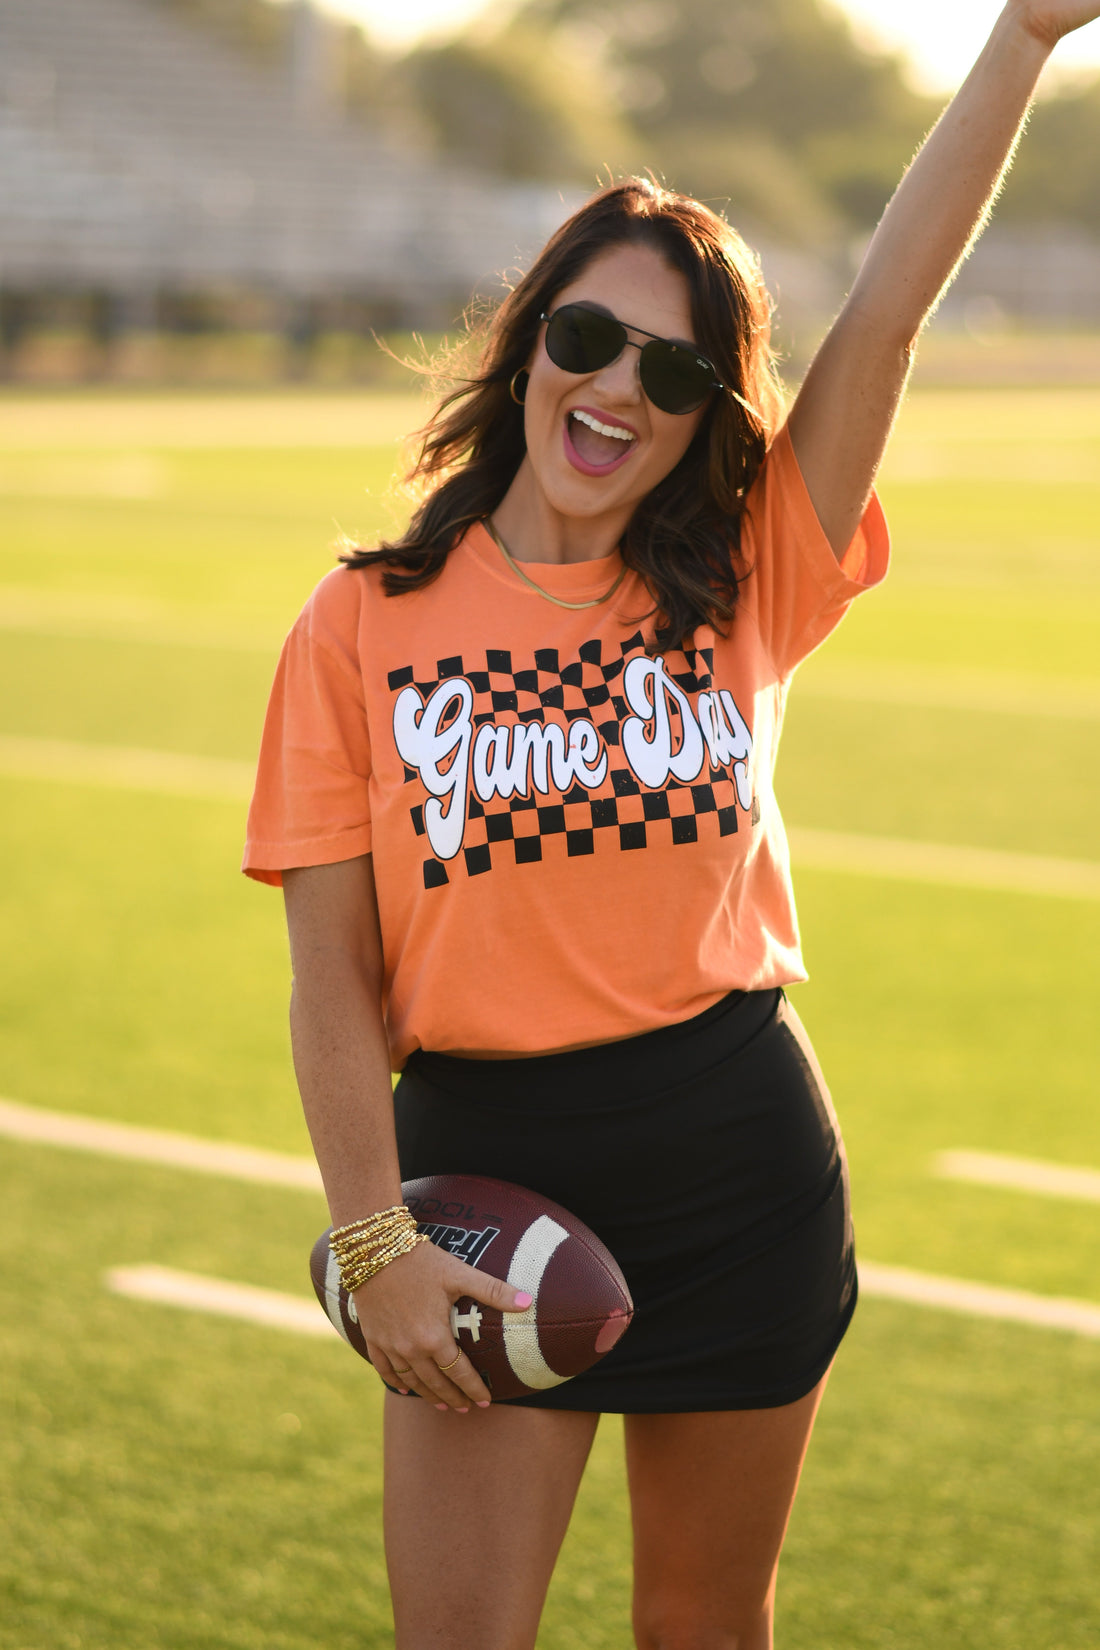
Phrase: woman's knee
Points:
(671, 1621)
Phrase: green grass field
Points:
(175, 1481)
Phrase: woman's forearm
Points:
(843, 413)
(341, 1059)
(341, 1053)
(945, 198)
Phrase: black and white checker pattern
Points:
(585, 686)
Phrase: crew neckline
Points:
(571, 579)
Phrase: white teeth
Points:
(615, 430)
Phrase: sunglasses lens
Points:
(675, 380)
(578, 340)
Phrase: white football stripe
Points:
(521, 1336)
(332, 1296)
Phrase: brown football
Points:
(581, 1305)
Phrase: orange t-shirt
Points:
(572, 842)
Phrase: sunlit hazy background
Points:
(244, 189)
(940, 38)
(213, 216)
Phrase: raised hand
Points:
(842, 417)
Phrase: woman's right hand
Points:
(405, 1314)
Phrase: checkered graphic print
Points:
(525, 828)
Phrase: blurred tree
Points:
(771, 106)
(517, 101)
(831, 124)
(1057, 173)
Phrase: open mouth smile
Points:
(595, 445)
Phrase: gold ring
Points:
(404, 1371)
(443, 1368)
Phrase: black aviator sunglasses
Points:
(673, 376)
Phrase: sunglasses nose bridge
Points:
(614, 371)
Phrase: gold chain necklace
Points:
(545, 594)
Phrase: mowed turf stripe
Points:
(194, 1292)
(175, 1151)
(125, 767)
(221, 779)
(51, 614)
(998, 692)
(1019, 1174)
(943, 862)
(980, 1300)
(267, 1306)
(242, 1301)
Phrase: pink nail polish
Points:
(462, 1412)
(523, 1300)
(443, 1408)
(483, 1403)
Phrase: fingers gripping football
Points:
(523, 1288)
(406, 1313)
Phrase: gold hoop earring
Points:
(512, 387)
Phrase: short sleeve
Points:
(310, 805)
(796, 589)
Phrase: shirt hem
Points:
(266, 861)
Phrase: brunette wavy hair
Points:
(684, 536)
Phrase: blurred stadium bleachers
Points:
(141, 154)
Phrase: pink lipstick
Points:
(584, 465)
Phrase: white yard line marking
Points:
(174, 1151)
(1019, 1174)
(103, 619)
(47, 612)
(220, 779)
(951, 689)
(980, 1300)
(943, 862)
(268, 1306)
(193, 1292)
(169, 773)
(47, 424)
(243, 1301)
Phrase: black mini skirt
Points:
(707, 1157)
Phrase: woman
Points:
(516, 782)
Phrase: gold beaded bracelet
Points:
(363, 1247)
(372, 1228)
(358, 1272)
(341, 1233)
(361, 1244)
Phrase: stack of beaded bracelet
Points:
(363, 1247)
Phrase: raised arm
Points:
(843, 415)
(341, 1057)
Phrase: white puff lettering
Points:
(649, 689)
(426, 746)
(498, 770)
(727, 739)
(665, 737)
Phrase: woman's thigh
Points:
(711, 1495)
(476, 1508)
